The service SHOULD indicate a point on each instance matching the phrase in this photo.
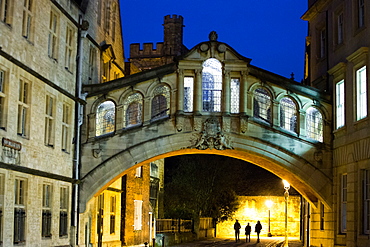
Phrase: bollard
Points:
(163, 241)
(153, 242)
(146, 244)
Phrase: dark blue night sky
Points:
(270, 32)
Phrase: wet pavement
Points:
(264, 241)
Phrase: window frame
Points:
(27, 20)
(24, 102)
(212, 90)
(103, 125)
(50, 106)
(262, 113)
(361, 93)
(188, 94)
(235, 95)
(66, 127)
(340, 104)
(293, 120)
(160, 104)
(133, 110)
(68, 55)
(316, 130)
(46, 210)
(20, 199)
(138, 212)
(6, 8)
(343, 203)
(365, 187)
(63, 211)
(3, 98)
(53, 35)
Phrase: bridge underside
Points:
(312, 183)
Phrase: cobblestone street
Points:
(265, 241)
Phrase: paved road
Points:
(265, 242)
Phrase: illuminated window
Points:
(105, 118)
(288, 114)
(23, 108)
(366, 201)
(212, 85)
(49, 120)
(361, 93)
(322, 216)
(314, 124)
(343, 204)
(5, 11)
(46, 211)
(53, 35)
(262, 105)
(19, 211)
(339, 104)
(188, 94)
(161, 102)
(27, 19)
(138, 209)
(133, 110)
(235, 92)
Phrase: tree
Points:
(201, 186)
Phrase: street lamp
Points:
(286, 196)
(269, 205)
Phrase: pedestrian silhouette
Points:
(237, 227)
(258, 229)
(248, 229)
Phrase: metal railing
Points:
(173, 225)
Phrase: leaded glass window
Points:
(314, 124)
(105, 118)
(133, 110)
(235, 92)
(188, 94)
(262, 104)
(212, 85)
(161, 102)
(288, 114)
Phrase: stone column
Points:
(243, 93)
(225, 104)
(198, 102)
(180, 91)
(119, 117)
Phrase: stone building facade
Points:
(47, 50)
(337, 62)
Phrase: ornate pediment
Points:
(211, 137)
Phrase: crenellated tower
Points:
(149, 57)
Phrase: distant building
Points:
(149, 57)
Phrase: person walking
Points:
(248, 230)
(258, 229)
(237, 227)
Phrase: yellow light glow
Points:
(286, 184)
(269, 203)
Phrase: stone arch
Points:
(95, 105)
(312, 183)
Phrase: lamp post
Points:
(269, 205)
(286, 196)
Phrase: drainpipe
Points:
(82, 28)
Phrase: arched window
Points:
(288, 114)
(133, 110)
(314, 124)
(262, 105)
(161, 102)
(105, 118)
(212, 85)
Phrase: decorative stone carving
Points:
(213, 36)
(243, 124)
(96, 153)
(179, 123)
(226, 125)
(197, 124)
(212, 137)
